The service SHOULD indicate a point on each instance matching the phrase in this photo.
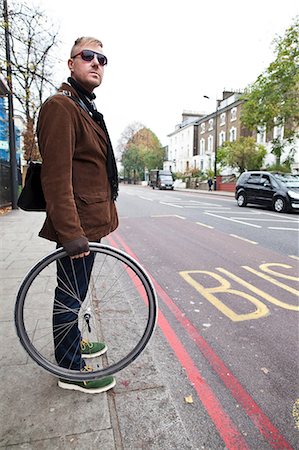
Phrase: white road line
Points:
(294, 257)
(263, 220)
(243, 239)
(204, 225)
(203, 203)
(217, 208)
(169, 215)
(146, 198)
(240, 212)
(171, 204)
(275, 215)
(222, 209)
(196, 207)
(176, 199)
(234, 220)
(281, 228)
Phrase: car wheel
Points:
(279, 204)
(241, 199)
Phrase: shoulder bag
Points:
(32, 196)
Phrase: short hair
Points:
(84, 40)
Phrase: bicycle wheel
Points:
(118, 307)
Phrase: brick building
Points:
(193, 142)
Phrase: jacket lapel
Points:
(93, 124)
(65, 89)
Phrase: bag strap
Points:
(76, 100)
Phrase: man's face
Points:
(89, 74)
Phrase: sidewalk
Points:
(205, 191)
(36, 414)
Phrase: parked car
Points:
(276, 190)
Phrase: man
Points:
(80, 184)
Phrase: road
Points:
(227, 335)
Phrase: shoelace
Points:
(87, 368)
(85, 343)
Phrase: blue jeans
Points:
(73, 277)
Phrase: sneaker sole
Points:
(75, 387)
(94, 355)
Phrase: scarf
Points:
(87, 98)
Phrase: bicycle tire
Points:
(123, 263)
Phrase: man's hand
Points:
(77, 248)
(81, 255)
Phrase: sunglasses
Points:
(88, 55)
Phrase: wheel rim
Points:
(120, 297)
(279, 205)
(241, 200)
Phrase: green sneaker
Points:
(89, 387)
(92, 349)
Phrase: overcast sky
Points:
(164, 55)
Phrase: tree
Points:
(127, 136)
(32, 38)
(273, 100)
(142, 151)
(243, 154)
(133, 163)
(150, 148)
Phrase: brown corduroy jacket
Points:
(74, 176)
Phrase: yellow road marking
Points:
(265, 268)
(295, 413)
(257, 291)
(225, 287)
(273, 281)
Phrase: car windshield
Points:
(166, 177)
(289, 180)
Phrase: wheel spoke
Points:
(106, 297)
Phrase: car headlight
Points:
(293, 194)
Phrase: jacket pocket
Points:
(93, 210)
(89, 199)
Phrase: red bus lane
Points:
(227, 429)
(225, 426)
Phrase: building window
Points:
(202, 146)
(222, 119)
(210, 144)
(233, 113)
(233, 134)
(201, 164)
(221, 137)
(202, 128)
(211, 122)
